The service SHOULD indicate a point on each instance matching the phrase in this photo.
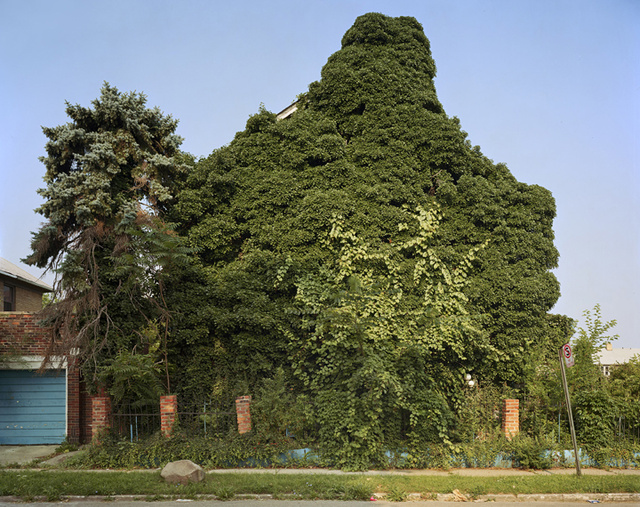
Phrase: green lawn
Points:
(54, 484)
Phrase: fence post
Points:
(243, 404)
(168, 409)
(73, 400)
(100, 415)
(510, 418)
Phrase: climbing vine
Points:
(382, 324)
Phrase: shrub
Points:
(228, 451)
(531, 453)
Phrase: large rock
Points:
(182, 472)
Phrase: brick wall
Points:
(73, 401)
(21, 335)
(84, 413)
(28, 300)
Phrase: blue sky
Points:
(549, 87)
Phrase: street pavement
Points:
(298, 503)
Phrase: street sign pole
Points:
(562, 354)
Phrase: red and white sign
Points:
(568, 355)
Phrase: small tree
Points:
(587, 343)
(110, 174)
(595, 408)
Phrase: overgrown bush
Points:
(133, 379)
(531, 453)
(595, 413)
(479, 453)
(479, 414)
(276, 412)
(233, 450)
(620, 455)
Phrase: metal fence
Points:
(197, 419)
(627, 429)
(554, 419)
(136, 422)
(205, 418)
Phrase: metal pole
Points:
(568, 399)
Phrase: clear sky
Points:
(549, 87)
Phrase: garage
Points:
(32, 407)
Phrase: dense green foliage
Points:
(133, 380)
(362, 248)
(388, 340)
(624, 386)
(368, 140)
(606, 409)
(594, 406)
(379, 90)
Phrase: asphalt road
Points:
(300, 503)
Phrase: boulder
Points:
(182, 472)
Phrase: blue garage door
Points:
(32, 407)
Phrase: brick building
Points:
(36, 407)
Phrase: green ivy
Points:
(380, 323)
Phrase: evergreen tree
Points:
(110, 173)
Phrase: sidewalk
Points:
(463, 472)
(22, 454)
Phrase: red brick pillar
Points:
(511, 418)
(243, 413)
(73, 401)
(168, 410)
(100, 415)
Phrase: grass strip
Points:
(52, 485)
(514, 485)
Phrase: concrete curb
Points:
(461, 472)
